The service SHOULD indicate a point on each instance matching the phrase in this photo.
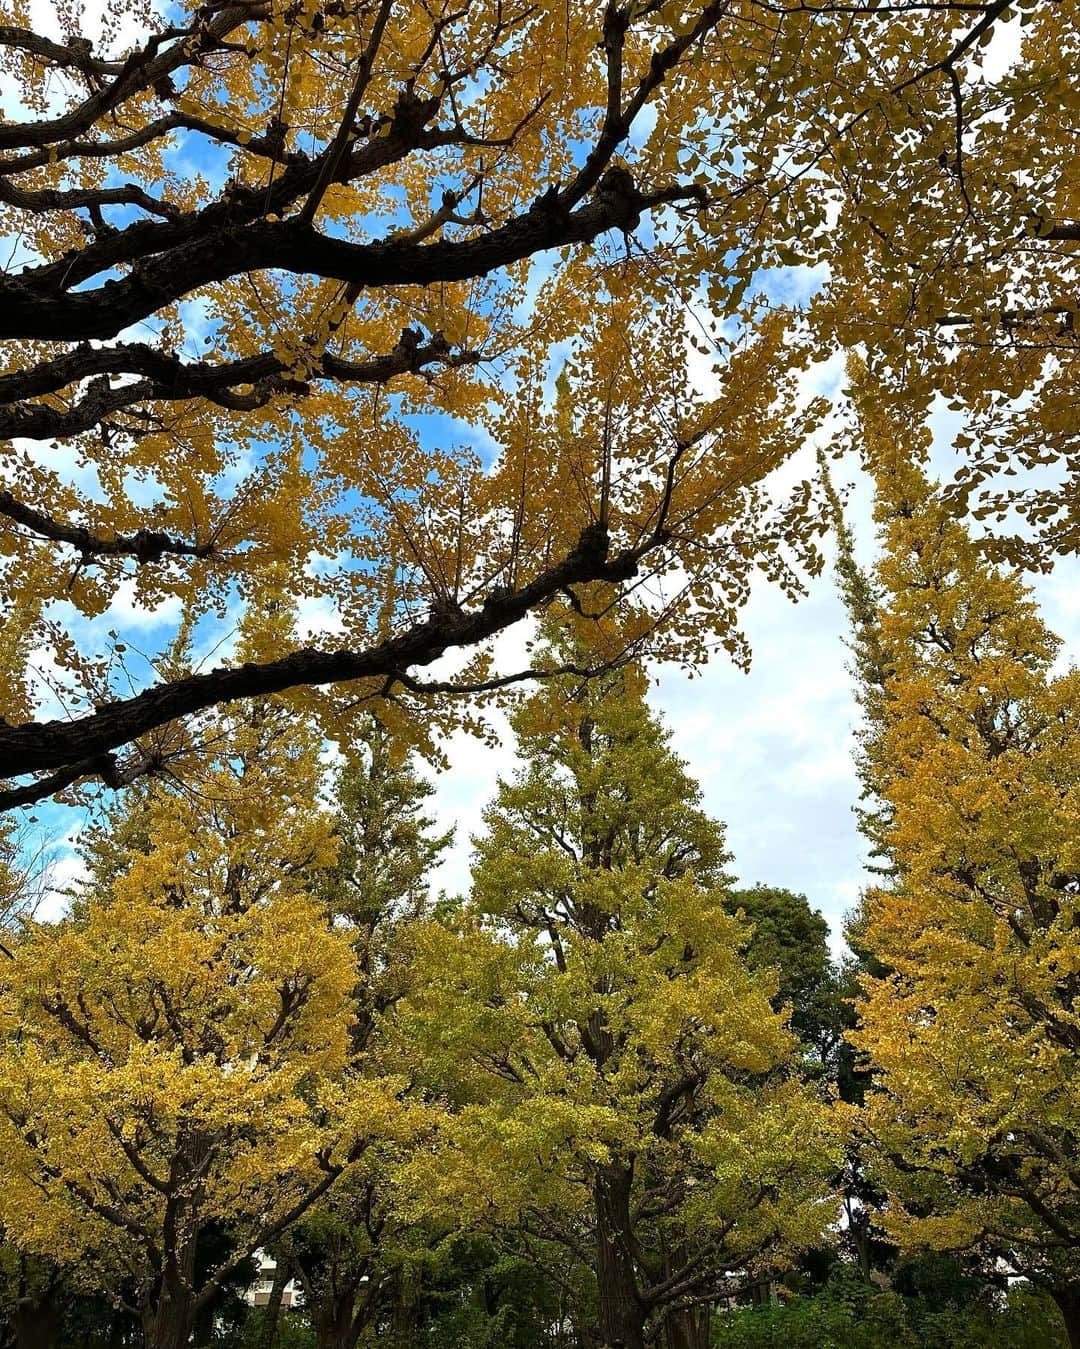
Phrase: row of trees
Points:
(384, 312)
(605, 1093)
(512, 1066)
(254, 1031)
(969, 1015)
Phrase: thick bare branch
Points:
(42, 202)
(241, 385)
(26, 310)
(56, 745)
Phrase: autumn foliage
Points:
(257, 241)
(372, 370)
(971, 1024)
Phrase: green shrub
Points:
(848, 1314)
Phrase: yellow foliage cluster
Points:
(177, 1052)
(972, 1030)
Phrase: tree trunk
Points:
(684, 1327)
(202, 1334)
(406, 1307)
(858, 1226)
(622, 1313)
(268, 1329)
(860, 1238)
(688, 1328)
(761, 1293)
(170, 1326)
(1068, 1301)
(169, 1323)
(334, 1332)
(337, 1337)
(338, 1324)
(37, 1324)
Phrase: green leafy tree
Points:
(623, 1085)
(792, 938)
(850, 1314)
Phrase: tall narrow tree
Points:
(621, 1077)
(971, 1024)
(377, 886)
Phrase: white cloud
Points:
(772, 748)
(465, 788)
(317, 616)
(66, 870)
(1002, 52)
(461, 793)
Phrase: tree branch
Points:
(241, 386)
(32, 310)
(146, 545)
(40, 747)
(335, 151)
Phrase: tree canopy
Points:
(177, 1056)
(292, 284)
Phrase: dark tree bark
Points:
(83, 747)
(37, 303)
(169, 1322)
(1068, 1302)
(335, 1328)
(687, 1328)
(37, 1310)
(760, 1293)
(342, 1315)
(622, 1311)
(282, 1274)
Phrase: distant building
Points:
(260, 1292)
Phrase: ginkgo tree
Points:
(176, 1055)
(288, 277)
(620, 1086)
(970, 1021)
(375, 889)
(953, 261)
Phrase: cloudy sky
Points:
(772, 749)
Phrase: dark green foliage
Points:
(293, 1332)
(939, 1314)
(468, 1294)
(793, 938)
(386, 850)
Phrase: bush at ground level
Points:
(847, 1314)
